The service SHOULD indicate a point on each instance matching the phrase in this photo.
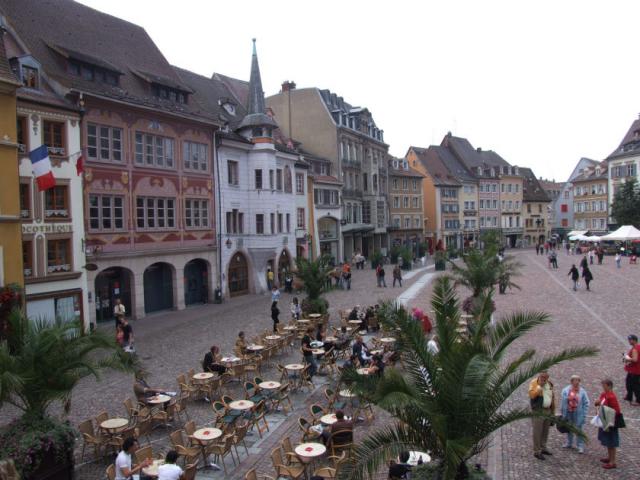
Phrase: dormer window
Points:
(168, 93)
(93, 73)
(30, 77)
(27, 69)
(230, 108)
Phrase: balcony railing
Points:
(59, 151)
(59, 268)
(350, 162)
(470, 213)
(60, 213)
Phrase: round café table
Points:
(355, 322)
(315, 315)
(414, 456)
(303, 320)
(269, 385)
(295, 369)
(289, 327)
(318, 351)
(273, 338)
(363, 371)
(241, 405)
(203, 376)
(158, 399)
(255, 348)
(113, 425)
(331, 339)
(152, 470)
(347, 394)
(387, 340)
(376, 352)
(230, 360)
(204, 436)
(309, 452)
(317, 344)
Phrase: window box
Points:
(59, 268)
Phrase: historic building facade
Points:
(624, 162)
(149, 232)
(405, 206)
(536, 206)
(348, 136)
(590, 199)
(11, 271)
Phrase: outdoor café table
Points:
(269, 385)
(273, 338)
(315, 315)
(205, 435)
(317, 344)
(318, 351)
(158, 399)
(241, 405)
(255, 348)
(376, 352)
(355, 322)
(363, 371)
(414, 456)
(152, 470)
(387, 340)
(330, 419)
(114, 424)
(308, 452)
(303, 320)
(289, 327)
(331, 339)
(230, 360)
(203, 376)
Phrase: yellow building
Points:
(535, 209)
(10, 226)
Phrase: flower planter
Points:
(52, 468)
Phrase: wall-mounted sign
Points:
(48, 228)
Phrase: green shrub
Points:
(376, 259)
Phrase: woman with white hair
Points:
(574, 407)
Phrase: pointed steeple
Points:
(256, 123)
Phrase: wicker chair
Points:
(289, 471)
(220, 450)
(253, 475)
(190, 454)
(90, 437)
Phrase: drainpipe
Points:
(216, 185)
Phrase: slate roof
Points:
(630, 144)
(325, 179)
(54, 30)
(431, 159)
(589, 174)
(532, 191)
(6, 75)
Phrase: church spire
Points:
(256, 123)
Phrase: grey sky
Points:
(542, 83)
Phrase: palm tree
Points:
(313, 274)
(42, 362)
(483, 269)
(449, 403)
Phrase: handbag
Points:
(596, 421)
(619, 421)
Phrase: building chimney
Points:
(287, 86)
(479, 150)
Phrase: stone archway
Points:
(283, 266)
(158, 287)
(238, 275)
(196, 282)
(110, 284)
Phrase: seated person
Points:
(345, 427)
(241, 344)
(170, 471)
(367, 317)
(377, 365)
(141, 388)
(361, 350)
(343, 338)
(211, 362)
(401, 469)
(389, 355)
(124, 462)
(353, 315)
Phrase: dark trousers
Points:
(399, 280)
(633, 387)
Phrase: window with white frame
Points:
(154, 150)
(300, 183)
(405, 202)
(396, 222)
(259, 223)
(196, 213)
(155, 213)
(300, 218)
(104, 143)
(415, 202)
(407, 222)
(194, 156)
(233, 177)
(416, 222)
(106, 212)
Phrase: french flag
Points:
(42, 168)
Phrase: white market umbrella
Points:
(624, 233)
(593, 238)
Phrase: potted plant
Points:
(40, 364)
(376, 259)
(441, 261)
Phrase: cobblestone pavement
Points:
(171, 343)
(603, 318)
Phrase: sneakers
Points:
(546, 452)
(580, 449)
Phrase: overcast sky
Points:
(542, 83)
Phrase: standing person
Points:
(432, 345)
(632, 367)
(542, 400)
(269, 278)
(587, 275)
(609, 438)
(275, 312)
(575, 276)
(618, 259)
(346, 275)
(119, 311)
(275, 294)
(124, 468)
(600, 255)
(554, 259)
(397, 275)
(120, 335)
(296, 309)
(288, 283)
(307, 352)
(127, 335)
(382, 273)
(591, 255)
(574, 408)
(567, 247)
(378, 268)
(170, 471)
(584, 263)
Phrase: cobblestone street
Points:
(173, 342)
